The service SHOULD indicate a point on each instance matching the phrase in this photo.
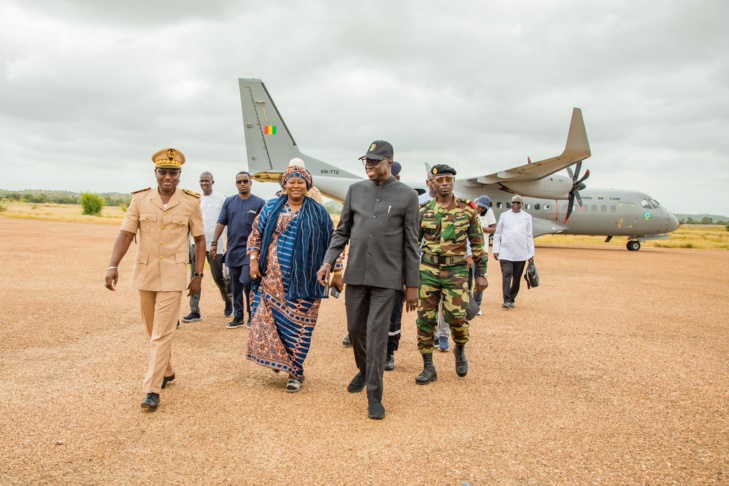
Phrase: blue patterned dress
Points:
(281, 328)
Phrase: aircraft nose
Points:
(672, 224)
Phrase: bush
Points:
(92, 204)
(3, 208)
(123, 207)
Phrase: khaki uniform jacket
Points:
(162, 257)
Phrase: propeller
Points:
(577, 185)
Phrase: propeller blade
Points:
(587, 174)
(569, 171)
(579, 199)
(578, 168)
(570, 203)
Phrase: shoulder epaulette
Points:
(142, 190)
(191, 193)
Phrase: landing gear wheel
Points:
(633, 245)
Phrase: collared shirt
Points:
(164, 229)
(238, 215)
(514, 236)
(211, 206)
(452, 231)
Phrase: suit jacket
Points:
(163, 255)
(381, 225)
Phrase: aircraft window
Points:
(655, 203)
(527, 206)
(646, 204)
(546, 207)
(536, 206)
(613, 209)
(499, 205)
(603, 208)
(593, 208)
(508, 205)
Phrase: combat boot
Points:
(429, 374)
(461, 362)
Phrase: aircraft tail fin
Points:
(269, 143)
(577, 147)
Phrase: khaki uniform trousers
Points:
(160, 312)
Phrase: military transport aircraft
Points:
(558, 204)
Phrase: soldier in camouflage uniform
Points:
(447, 223)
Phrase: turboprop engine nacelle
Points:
(550, 187)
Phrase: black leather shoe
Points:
(151, 402)
(346, 341)
(390, 363)
(167, 379)
(375, 410)
(357, 384)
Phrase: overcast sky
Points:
(90, 89)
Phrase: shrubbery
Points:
(91, 203)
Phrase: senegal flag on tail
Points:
(269, 130)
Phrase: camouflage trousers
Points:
(449, 283)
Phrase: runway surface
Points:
(614, 371)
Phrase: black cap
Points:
(378, 150)
(396, 168)
(442, 169)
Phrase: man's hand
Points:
(195, 286)
(213, 251)
(337, 282)
(469, 261)
(112, 276)
(411, 297)
(496, 256)
(482, 284)
(323, 274)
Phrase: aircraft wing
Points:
(577, 149)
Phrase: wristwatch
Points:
(198, 274)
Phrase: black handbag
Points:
(531, 275)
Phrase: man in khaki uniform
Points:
(164, 217)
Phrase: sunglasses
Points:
(442, 179)
(168, 172)
(244, 181)
(371, 162)
(513, 203)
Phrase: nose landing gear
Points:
(633, 245)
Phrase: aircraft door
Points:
(627, 217)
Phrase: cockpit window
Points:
(646, 204)
(655, 203)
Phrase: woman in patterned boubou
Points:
(287, 246)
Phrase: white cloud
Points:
(90, 89)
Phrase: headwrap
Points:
(297, 171)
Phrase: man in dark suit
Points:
(380, 221)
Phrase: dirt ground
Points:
(613, 371)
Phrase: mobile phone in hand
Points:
(335, 293)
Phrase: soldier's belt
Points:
(443, 260)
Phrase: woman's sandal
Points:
(293, 385)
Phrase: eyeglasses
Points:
(515, 202)
(244, 181)
(168, 172)
(371, 162)
(442, 179)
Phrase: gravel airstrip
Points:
(614, 371)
